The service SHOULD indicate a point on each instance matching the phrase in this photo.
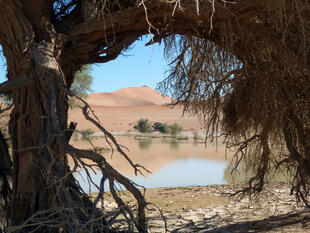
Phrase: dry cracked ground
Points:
(213, 209)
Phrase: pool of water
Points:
(173, 162)
(184, 172)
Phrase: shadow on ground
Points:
(292, 222)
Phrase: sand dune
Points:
(120, 110)
(132, 96)
(144, 93)
(113, 100)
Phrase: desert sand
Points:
(119, 111)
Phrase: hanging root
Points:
(247, 77)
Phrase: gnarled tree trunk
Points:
(38, 121)
(45, 196)
(37, 126)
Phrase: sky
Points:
(141, 65)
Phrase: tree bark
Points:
(39, 118)
(37, 126)
(5, 181)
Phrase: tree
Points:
(175, 129)
(161, 127)
(144, 126)
(252, 54)
(81, 85)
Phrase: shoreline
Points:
(189, 134)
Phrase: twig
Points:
(109, 135)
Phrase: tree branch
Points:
(96, 122)
(112, 174)
(13, 84)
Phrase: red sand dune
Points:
(145, 93)
(120, 110)
(132, 96)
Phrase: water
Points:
(185, 173)
(173, 162)
(181, 173)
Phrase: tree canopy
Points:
(242, 66)
(81, 85)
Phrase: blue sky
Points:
(142, 65)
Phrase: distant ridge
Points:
(129, 97)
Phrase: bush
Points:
(175, 129)
(87, 134)
(163, 128)
(144, 126)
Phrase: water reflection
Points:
(174, 144)
(184, 172)
(242, 174)
(144, 144)
(173, 161)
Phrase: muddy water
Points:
(173, 162)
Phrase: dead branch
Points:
(112, 175)
(136, 167)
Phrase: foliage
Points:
(86, 134)
(175, 129)
(161, 127)
(81, 85)
(144, 126)
(196, 136)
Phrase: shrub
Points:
(163, 128)
(87, 134)
(144, 126)
(175, 129)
